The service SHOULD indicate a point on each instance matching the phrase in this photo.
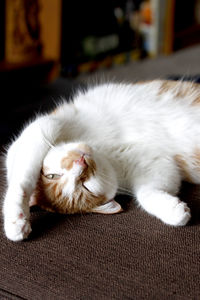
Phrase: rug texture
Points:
(130, 255)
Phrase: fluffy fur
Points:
(138, 138)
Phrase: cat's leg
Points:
(24, 161)
(156, 189)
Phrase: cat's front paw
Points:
(17, 229)
(179, 215)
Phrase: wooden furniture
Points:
(30, 36)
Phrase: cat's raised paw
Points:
(17, 230)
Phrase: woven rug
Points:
(130, 255)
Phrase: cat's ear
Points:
(111, 207)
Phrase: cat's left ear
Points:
(111, 207)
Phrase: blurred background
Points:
(49, 48)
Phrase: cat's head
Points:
(75, 179)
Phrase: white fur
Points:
(136, 130)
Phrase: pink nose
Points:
(81, 161)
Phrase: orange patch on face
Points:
(50, 198)
(67, 162)
(47, 194)
(84, 201)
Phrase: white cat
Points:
(142, 138)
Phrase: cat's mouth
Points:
(81, 161)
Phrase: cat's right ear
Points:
(111, 207)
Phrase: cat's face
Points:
(73, 179)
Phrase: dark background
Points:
(25, 91)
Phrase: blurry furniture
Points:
(30, 42)
(30, 38)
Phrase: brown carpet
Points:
(126, 256)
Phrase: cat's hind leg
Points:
(156, 188)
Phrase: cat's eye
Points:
(53, 176)
(85, 187)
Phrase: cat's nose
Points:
(81, 162)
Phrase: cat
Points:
(74, 179)
(142, 139)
